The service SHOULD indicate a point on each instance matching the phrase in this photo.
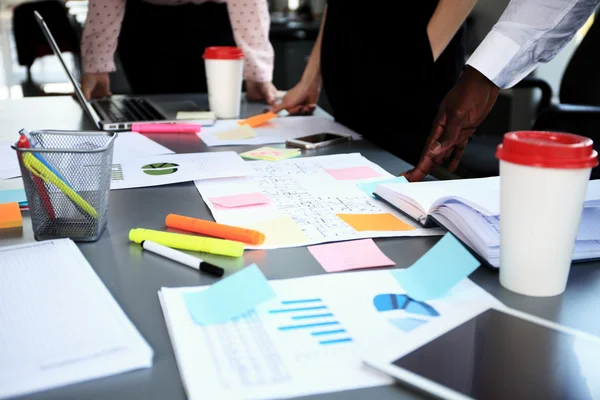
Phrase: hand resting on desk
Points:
(463, 109)
(261, 91)
(299, 100)
(95, 86)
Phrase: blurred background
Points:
(26, 69)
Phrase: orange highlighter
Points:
(214, 229)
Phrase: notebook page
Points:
(59, 323)
(481, 193)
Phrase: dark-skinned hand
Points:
(463, 109)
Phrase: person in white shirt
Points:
(528, 33)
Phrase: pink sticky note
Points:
(346, 174)
(240, 200)
(355, 254)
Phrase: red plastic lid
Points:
(223, 53)
(547, 150)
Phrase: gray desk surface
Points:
(134, 277)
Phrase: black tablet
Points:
(501, 354)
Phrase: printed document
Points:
(308, 201)
(60, 325)
(311, 338)
(165, 169)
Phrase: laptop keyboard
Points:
(127, 110)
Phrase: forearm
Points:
(251, 22)
(528, 33)
(445, 21)
(100, 35)
(312, 71)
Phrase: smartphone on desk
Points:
(317, 140)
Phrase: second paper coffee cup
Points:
(543, 182)
(224, 73)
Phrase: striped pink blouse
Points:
(98, 44)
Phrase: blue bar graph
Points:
(321, 333)
(284, 310)
(335, 341)
(301, 301)
(312, 316)
(290, 327)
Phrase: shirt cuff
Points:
(258, 71)
(493, 58)
(91, 65)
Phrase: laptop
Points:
(120, 112)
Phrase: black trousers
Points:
(161, 47)
(379, 74)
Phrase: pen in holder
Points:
(67, 176)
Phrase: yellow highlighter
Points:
(37, 168)
(188, 242)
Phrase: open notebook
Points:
(470, 209)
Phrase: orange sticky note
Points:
(10, 215)
(258, 120)
(375, 222)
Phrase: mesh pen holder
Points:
(67, 177)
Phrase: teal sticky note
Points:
(369, 188)
(13, 195)
(230, 297)
(439, 270)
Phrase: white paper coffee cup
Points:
(543, 182)
(224, 74)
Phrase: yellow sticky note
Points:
(280, 231)
(241, 132)
(270, 154)
(375, 222)
(10, 215)
(258, 120)
(195, 115)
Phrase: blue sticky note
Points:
(13, 195)
(369, 188)
(230, 297)
(439, 270)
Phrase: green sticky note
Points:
(13, 196)
(439, 270)
(230, 297)
(369, 187)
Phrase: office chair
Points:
(577, 112)
(29, 38)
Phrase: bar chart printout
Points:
(311, 318)
(311, 338)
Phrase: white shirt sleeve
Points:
(529, 32)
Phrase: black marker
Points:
(182, 258)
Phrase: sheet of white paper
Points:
(60, 325)
(130, 145)
(11, 184)
(481, 193)
(311, 338)
(306, 198)
(174, 168)
(277, 130)
(9, 164)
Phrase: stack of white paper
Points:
(59, 324)
(9, 164)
